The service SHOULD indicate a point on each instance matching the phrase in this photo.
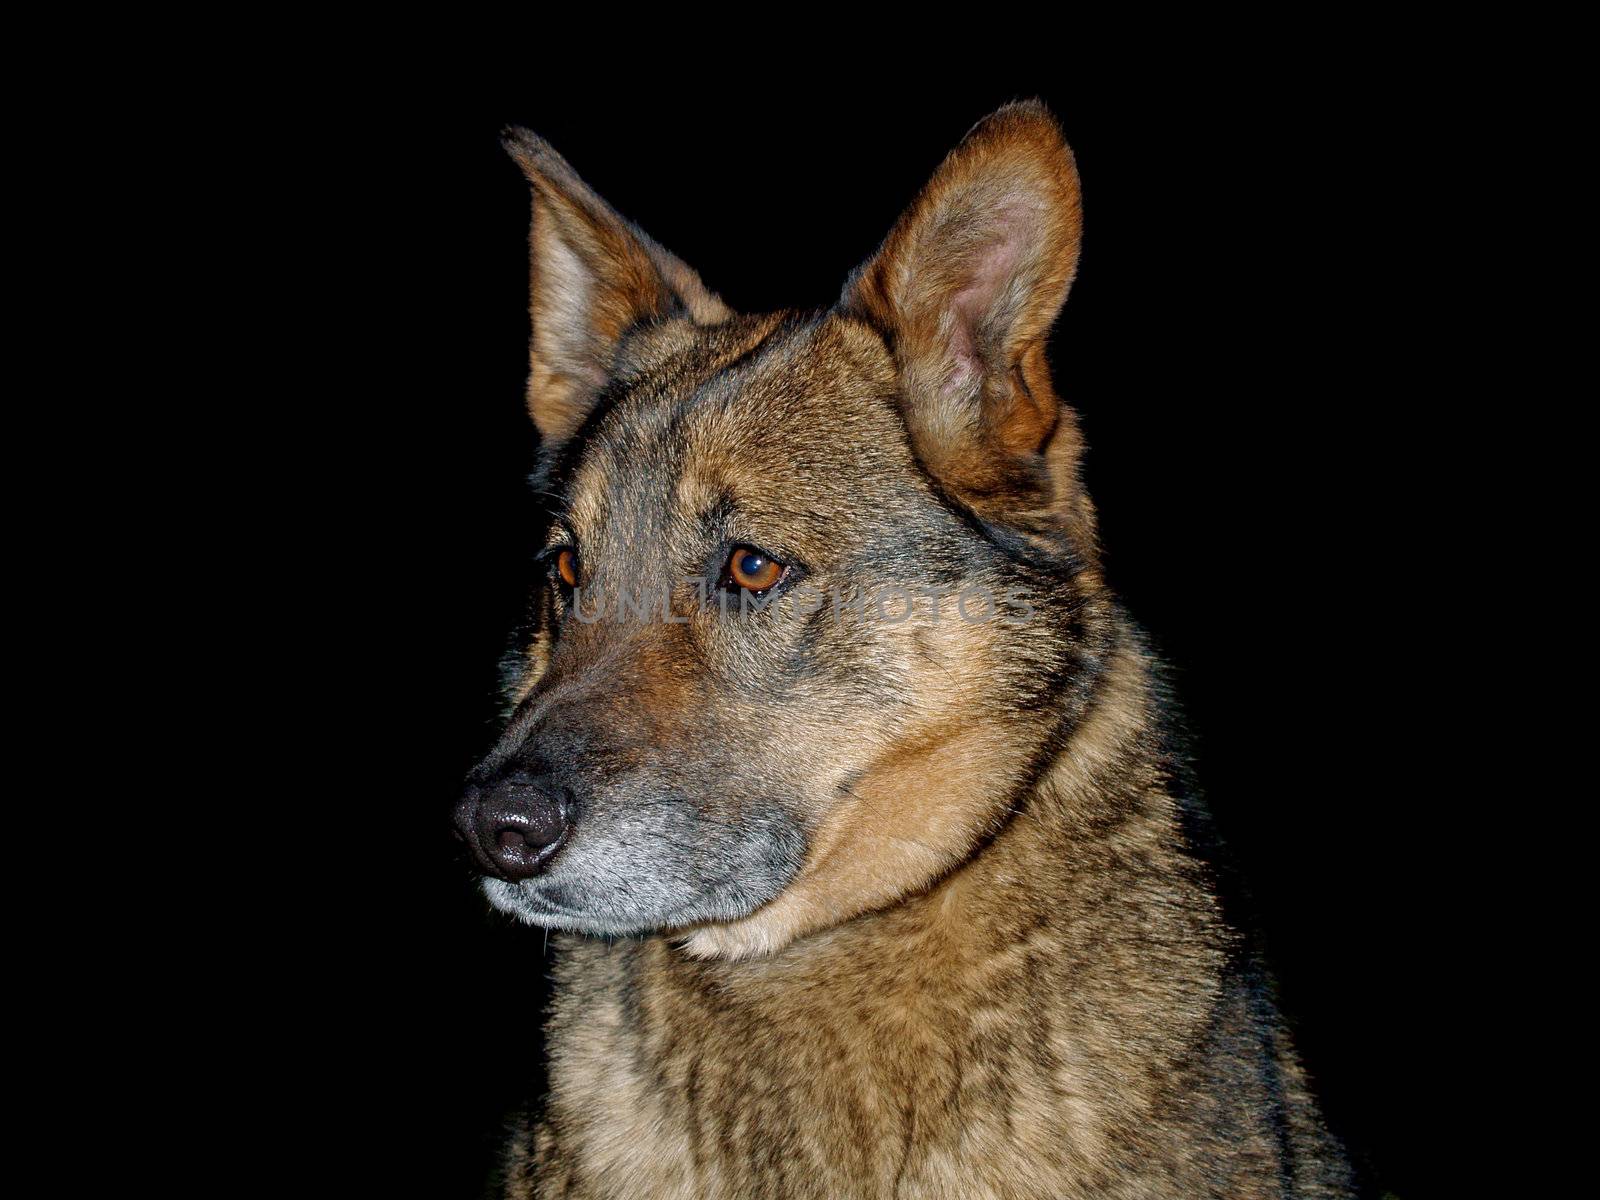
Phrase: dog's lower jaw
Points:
(515, 901)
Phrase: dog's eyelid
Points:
(563, 542)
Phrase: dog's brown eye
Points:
(567, 568)
(753, 570)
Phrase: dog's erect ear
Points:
(965, 289)
(595, 276)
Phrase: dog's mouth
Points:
(544, 903)
(527, 899)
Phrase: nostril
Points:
(511, 840)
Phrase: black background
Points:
(1215, 345)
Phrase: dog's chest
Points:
(680, 1079)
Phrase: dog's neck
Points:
(1106, 774)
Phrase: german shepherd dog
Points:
(864, 887)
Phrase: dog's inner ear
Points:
(965, 290)
(595, 277)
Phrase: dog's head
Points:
(818, 583)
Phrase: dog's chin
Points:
(548, 905)
(529, 903)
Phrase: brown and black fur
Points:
(854, 908)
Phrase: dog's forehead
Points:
(762, 413)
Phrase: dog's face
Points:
(816, 583)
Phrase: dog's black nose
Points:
(514, 825)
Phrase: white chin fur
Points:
(514, 899)
(511, 898)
